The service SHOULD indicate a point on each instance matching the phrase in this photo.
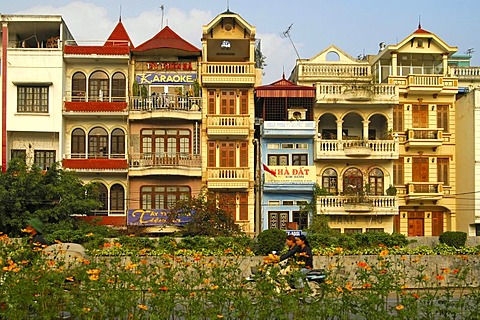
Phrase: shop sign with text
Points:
(154, 217)
(166, 78)
(294, 174)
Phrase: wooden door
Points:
(227, 102)
(416, 224)
(420, 116)
(227, 155)
(420, 169)
(437, 223)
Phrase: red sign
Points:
(184, 66)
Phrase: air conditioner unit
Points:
(297, 114)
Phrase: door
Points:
(227, 102)
(416, 224)
(437, 223)
(420, 116)
(420, 169)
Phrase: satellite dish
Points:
(382, 46)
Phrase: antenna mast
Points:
(286, 34)
(162, 7)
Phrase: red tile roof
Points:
(166, 38)
(284, 88)
(119, 37)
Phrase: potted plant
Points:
(391, 191)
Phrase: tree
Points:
(53, 196)
(209, 215)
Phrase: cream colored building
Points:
(228, 75)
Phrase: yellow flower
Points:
(399, 307)
(85, 309)
(215, 287)
(143, 307)
(328, 282)
(348, 286)
(219, 316)
(339, 289)
(383, 253)
(93, 277)
(89, 235)
(192, 294)
(446, 270)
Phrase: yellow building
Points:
(228, 75)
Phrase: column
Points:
(365, 129)
(394, 64)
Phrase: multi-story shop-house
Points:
(286, 153)
(165, 114)
(354, 146)
(424, 120)
(32, 78)
(95, 118)
(228, 76)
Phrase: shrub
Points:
(269, 240)
(455, 239)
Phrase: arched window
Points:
(330, 181)
(98, 88)
(117, 148)
(103, 199)
(79, 86)
(78, 143)
(117, 199)
(98, 143)
(375, 178)
(353, 182)
(118, 87)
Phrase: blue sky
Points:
(357, 27)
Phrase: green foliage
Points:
(373, 239)
(319, 224)
(210, 215)
(455, 239)
(270, 240)
(53, 196)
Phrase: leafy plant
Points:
(455, 239)
(269, 240)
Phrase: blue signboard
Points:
(295, 233)
(155, 217)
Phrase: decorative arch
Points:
(78, 145)
(332, 56)
(330, 181)
(102, 197)
(327, 126)
(117, 199)
(353, 181)
(79, 86)
(378, 127)
(119, 87)
(98, 143)
(98, 86)
(376, 182)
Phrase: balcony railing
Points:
(343, 71)
(465, 73)
(424, 138)
(165, 102)
(369, 204)
(425, 83)
(216, 72)
(221, 125)
(82, 96)
(424, 191)
(159, 160)
(235, 178)
(95, 162)
(364, 92)
(341, 149)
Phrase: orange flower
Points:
(93, 277)
(416, 296)
(192, 294)
(362, 264)
(455, 271)
(349, 287)
(339, 289)
(440, 277)
(86, 309)
(163, 288)
(399, 307)
(328, 282)
(367, 285)
(71, 279)
(215, 287)
(383, 253)
(51, 263)
(143, 307)
(446, 270)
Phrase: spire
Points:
(120, 15)
(419, 22)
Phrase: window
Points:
(442, 171)
(117, 199)
(211, 102)
(301, 218)
(79, 86)
(118, 87)
(300, 159)
(32, 99)
(227, 102)
(98, 143)
(278, 159)
(287, 202)
(118, 144)
(156, 197)
(398, 118)
(103, 199)
(273, 145)
(375, 178)
(420, 116)
(78, 143)
(442, 117)
(398, 172)
(375, 230)
(165, 143)
(352, 181)
(352, 230)
(98, 88)
(244, 102)
(20, 154)
(44, 158)
(330, 181)
(274, 203)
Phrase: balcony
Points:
(423, 138)
(466, 73)
(425, 84)
(183, 164)
(347, 93)
(78, 104)
(216, 73)
(374, 205)
(165, 106)
(424, 191)
(81, 162)
(315, 72)
(290, 129)
(228, 178)
(347, 149)
(228, 126)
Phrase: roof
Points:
(284, 88)
(167, 39)
(119, 37)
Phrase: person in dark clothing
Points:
(35, 230)
(304, 258)
(292, 248)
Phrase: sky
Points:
(356, 27)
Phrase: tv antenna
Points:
(286, 34)
(162, 7)
(469, 51)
